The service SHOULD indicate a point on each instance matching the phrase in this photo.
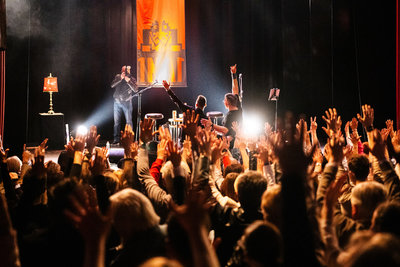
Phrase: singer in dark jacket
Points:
(124, 86)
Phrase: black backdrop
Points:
(297, 46)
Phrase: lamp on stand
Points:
(50, 86)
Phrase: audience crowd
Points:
(300, 204)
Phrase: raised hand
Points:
(333, 121)
(290, 152)
(99, 163)
(389, 126)
(216, 150)
(40, 151)
(385, 133)
(146, 130)
(367, 118)
(187, 149)
(39, 154)
(193, 215)
(127, 139)
(166, 85)
(4, 154)
(396, 140)
(332, 194)
(377, 145)
(355, 138)
(267, 129)
(204, 141)
(134, 150)
(336, 144)
(92, 138)
(43, 144)
(393, 148)
(79, 143)
(162, 152)
(313, 124)
(347, 129)
(190, 120)
(69, 148)
(354, 124)
(85, 215)
(27, 156)
(164, 134)
(233, 69)
(174, 154)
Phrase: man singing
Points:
(124, 86)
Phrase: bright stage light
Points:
(252, 125)
(82, 130)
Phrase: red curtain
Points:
(2, 89)
(397, 67)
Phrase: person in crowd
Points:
(299, 205)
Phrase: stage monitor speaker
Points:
(2, 24)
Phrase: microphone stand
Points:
(241, 87)
(139, 107)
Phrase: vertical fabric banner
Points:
(161, 50)
(397, 66)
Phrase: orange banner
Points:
(161, 53)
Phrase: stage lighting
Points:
(82, 130)
(252, 125)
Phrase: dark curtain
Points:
(397, 67)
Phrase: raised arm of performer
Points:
(235, 85)
(183, 107)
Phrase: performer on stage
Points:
(201, 103)
(124, 86)
(233, 104)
